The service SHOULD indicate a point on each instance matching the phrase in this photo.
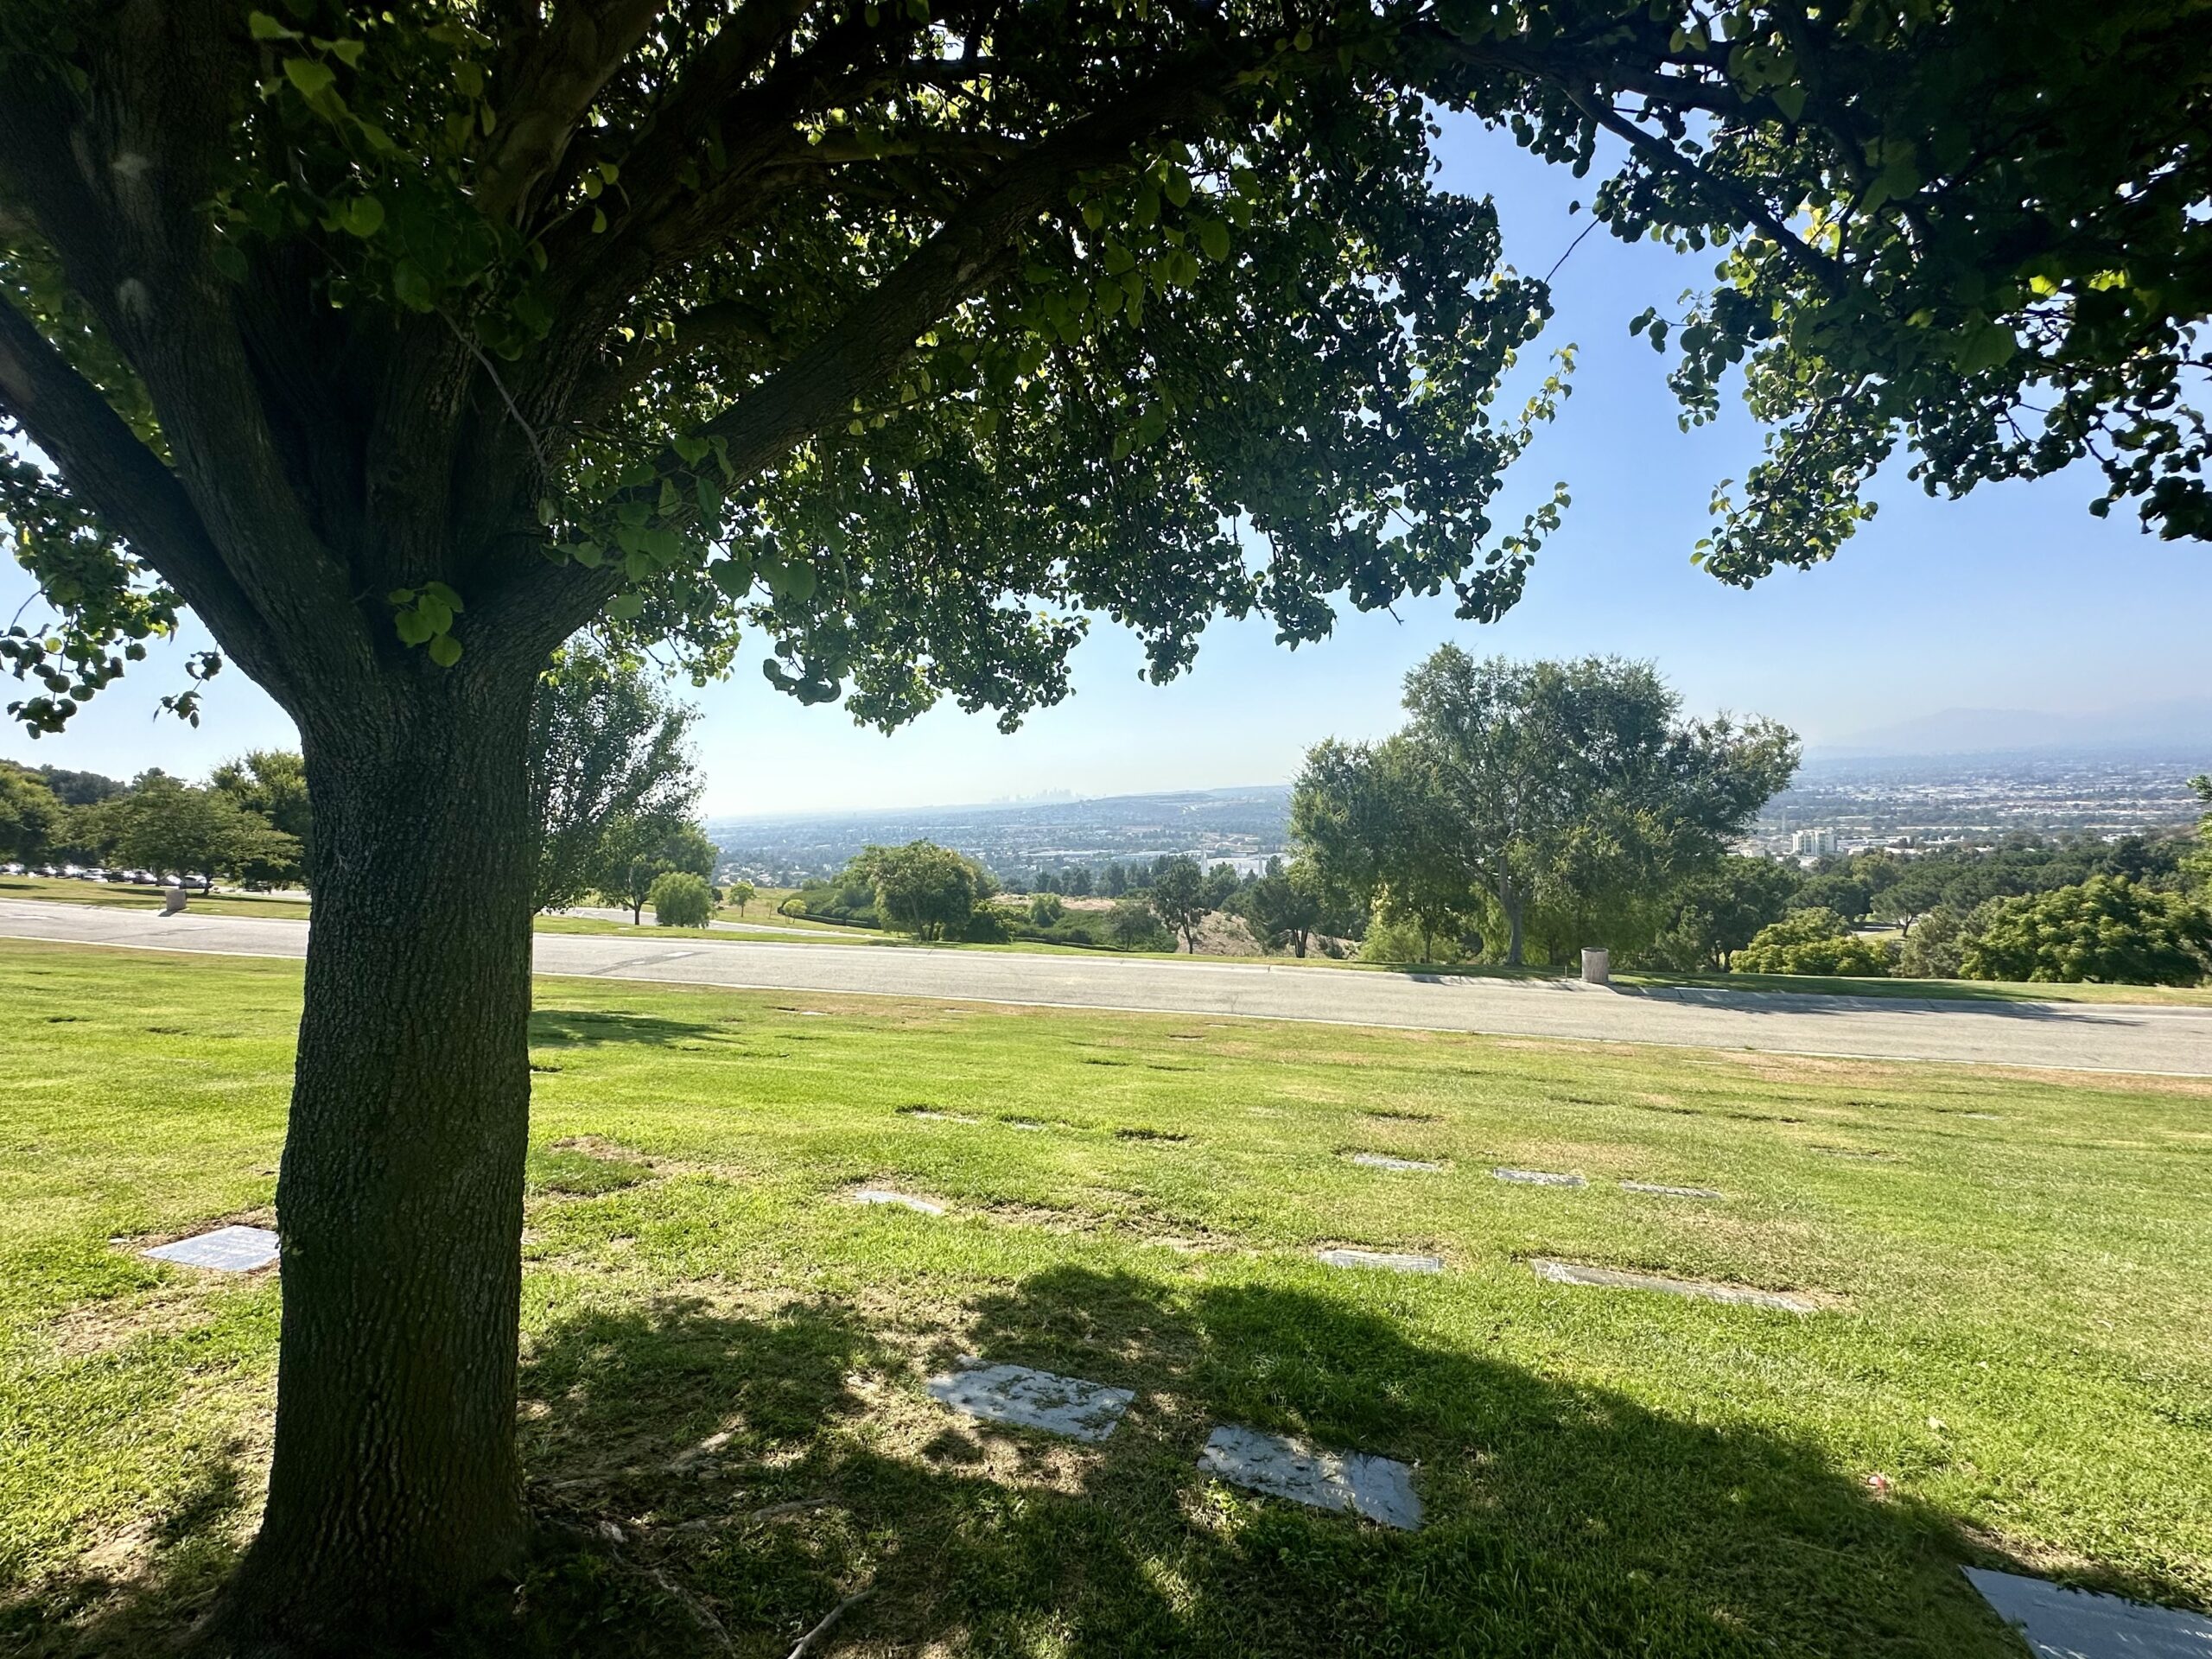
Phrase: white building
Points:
(1812, 843)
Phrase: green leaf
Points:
(444, 596)
(413, 629)
(362, 217)
(262, 27)
(311, 75)
(733, 577)
(445, 650)
(626, 607)
(1213, 238)
(586, 554)
(349, 53)
(1790, 99)
(411, 288)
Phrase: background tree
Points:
(607, 750)
(1716, 912)
(397, 345)
(924, 889)
(1046, 908)
(741, 894)
(272, 784)
(1573, 786)
(1179, 896)
(1133, 925)
(2109, 931)
(169, 827)
(636, 851)
(1813, 941)
(680, 898)
(31, 819)
(1283, 907)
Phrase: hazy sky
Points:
(2014, 598)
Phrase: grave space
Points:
(2013, 1328)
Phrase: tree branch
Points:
(106, 466)
(556, 78)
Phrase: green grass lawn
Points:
(2014, 1272)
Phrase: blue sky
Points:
(2013, 598)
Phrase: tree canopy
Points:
(607, 748)
(1570, 793)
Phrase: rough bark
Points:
(395, 1488)
(1509, 900)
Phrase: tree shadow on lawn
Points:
(1561, 1520)
(674, 1448)
(592, 1027)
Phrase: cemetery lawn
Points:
(723, 1415)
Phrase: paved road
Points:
(2072, 1036)
(611, 913)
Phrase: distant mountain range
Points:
(2179, 729)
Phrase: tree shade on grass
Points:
(396, 344)
(709, 1333)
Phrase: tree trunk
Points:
(1510, 901)
(394, 1489)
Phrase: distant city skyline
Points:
(2013, 600)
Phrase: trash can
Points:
(1598, 967)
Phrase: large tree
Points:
(273, 784)
(607, 749)
(1572, 791)
(396, 341)
(31, 819)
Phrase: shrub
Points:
(1813, 941)
(1045, 908)
(680, 898)
(2109, 929)
(1134, 925)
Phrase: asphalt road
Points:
(2067, 1036)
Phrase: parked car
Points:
(11, 870)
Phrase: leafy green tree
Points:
(2109, 930)
(1936, 949)
(1179, 898)
(1717, 912)
(924, 889)
(1222, 883)
(741, 894)
(398, 343)
(1283, 907)
(1572, 787)
(1133, 925)
(80, 788)
(1116, 881)
(1046, 908)
(680, 898)
(634, 852)
(606, 756)
(273, 784)
(2196, 864)
(31, 820)
(170, 828)
(1813, 941)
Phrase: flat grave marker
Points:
(1572, 1272)
(227, 1249)
(1656, 1190)
(1390, 1260)
(1380, 1489)
(1537, 1178)
(2058, 1623)
(1034, 1399)
(902, 1200)
(1384, 1160)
